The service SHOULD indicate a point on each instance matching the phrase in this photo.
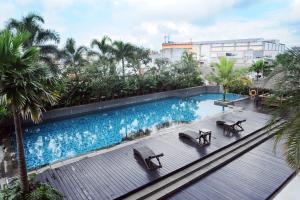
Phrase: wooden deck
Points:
(255, 175)
(117, 173)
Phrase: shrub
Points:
(4, 112)
(38, 191)
(241, 86)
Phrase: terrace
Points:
(116, 173)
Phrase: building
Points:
(243, 51)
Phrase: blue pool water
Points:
(57, 140)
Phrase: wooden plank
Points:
(243, 178)
(115, 173)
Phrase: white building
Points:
(243, 51)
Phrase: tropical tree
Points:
(139, 57)
(161, 63)
(187, 70)
(287, 72)
(75, 62)
(25, 87)
(122, 51)
(103, 47)
(188, 58)
(258, 67)
(225, 74)
(73, 57)
(44, 39)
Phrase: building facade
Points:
(243, 51)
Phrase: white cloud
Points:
(7, 10)
(173, 19)
(179, 9)
(145, 22)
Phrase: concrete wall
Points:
(67, 112)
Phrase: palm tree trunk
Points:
(123, 67)
(224, 93)
(21, 155)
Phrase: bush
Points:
(240, 87)
(38, 191)
(4, 112)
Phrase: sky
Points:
(146, 22)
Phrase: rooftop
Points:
(222, 41)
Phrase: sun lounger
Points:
(203, 137)
(231, 124)
(147, 156)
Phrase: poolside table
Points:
(205, 134)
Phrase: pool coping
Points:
(75, 111)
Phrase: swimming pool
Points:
(52, 141)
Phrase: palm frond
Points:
(24, 82)
(47, 35)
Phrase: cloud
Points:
(233, 29)
(170, 9)
(145, 22)
(6, 9)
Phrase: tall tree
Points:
(225, 74)
(287, 73)
(73, 57)
(122, 51)
(188, 58)
(187, 70)
(140, 58)
(75, 62)
(104, 52)
(44, 39)
(161, 63)
(25, 86)
(103, 47)
(258, 67)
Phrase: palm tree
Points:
(73, 57)
(25, 86)
(103, 47)
(189, 62)
(122, 51)
(43, 39)
(288, 73)
(226, 75)
(187, 57)
(257, 67)
(140, 56)
(74, 61)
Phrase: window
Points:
(230, 54)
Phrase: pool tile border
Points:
(67, 112)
